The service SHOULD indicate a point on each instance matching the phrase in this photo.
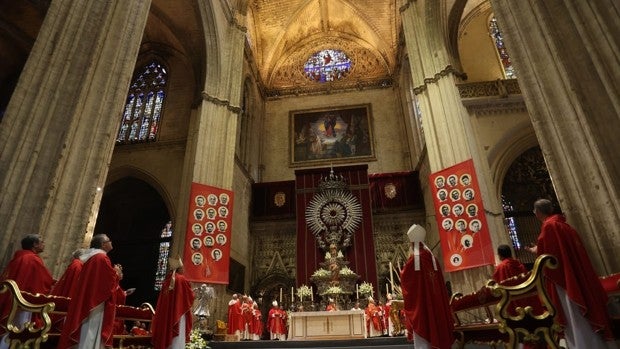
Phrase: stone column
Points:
(210, 152)
(57, 136)
(567, 57)
(448, 132)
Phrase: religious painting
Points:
(463, 231)
(323, 136)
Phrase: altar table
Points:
(315, 325)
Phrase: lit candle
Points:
(292, 295)
(391, 277)
(311, 294)
(357, 291)
(280, 295)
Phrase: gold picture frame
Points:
(331, 135)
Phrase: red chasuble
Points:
(28, 271)
(96, 284)
(69, 278)
(256, 326)
(575, 274)
(277, 321)
(508, 268)
(172, 304)
(235, 320)
(426, 299)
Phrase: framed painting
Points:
(331, 135)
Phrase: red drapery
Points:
(361, 254)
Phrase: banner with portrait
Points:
(206, 256)
(463, 229)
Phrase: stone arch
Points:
(133, 213)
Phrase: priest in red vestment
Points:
(276, 324)
(246, 314)
(67, 281)
(508, 266)
(90, 318)
(257, 323)
(331, 306)
(28, 271)
(172, 322)
(373, 317)
(428, 316)
(574, 287)
(235, 320)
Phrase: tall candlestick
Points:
(311, 294)
(387, 289)
(292, 295)
(357, 291)
(391, 278)
(280, 295)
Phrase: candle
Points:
(280, 295)
(391, 277)
(357, 291)
(311, 294)
(292, 295)
(387, 289)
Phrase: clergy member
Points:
(172, 322)
(235, 320)
(69, 277)
(277, 323)
(331, 306)
(574, 286)
(90, 318)
(257, 323)
(508, 266)
(373, 319)
(428, 315)
(28, 271)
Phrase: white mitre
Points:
(417, 234)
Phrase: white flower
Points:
(365, 288)
(321, 272)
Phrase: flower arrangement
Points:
(334, 290)
(196, 341)
(304, 292)
(321, 273)
(366, 288)
(346, 271)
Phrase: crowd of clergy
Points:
(92, 284)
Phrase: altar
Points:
(320, 325)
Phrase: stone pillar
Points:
(568, 65)
(448, 132)
(210, 152)
(57, 136)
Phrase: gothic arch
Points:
(119, 173)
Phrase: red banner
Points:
(463, 229)
(206, 256)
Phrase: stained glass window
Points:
(496, 34)
(327, 65)
(142, 113)
(164, 253)
(510, 224)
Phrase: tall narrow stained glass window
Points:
(496, 35)
(327, 65)
(165, 239)
(142, 113)
(510, 224)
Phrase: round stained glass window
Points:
(327, 65)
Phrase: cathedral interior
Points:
(110, 110)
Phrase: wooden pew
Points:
(52, 309)
(510, 322)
